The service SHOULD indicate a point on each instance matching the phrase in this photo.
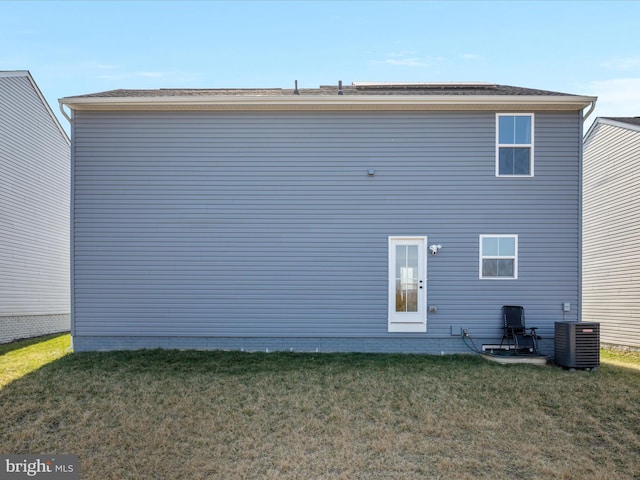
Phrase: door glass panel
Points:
(406, 278)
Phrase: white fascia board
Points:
(337, 102)
(15, 73)
(607, 121)
(615, 123)
(48, 108)
(34, 85)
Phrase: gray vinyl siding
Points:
(245, 224)
(611, 272)
(34, 213)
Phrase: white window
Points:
(499, 256)
(514, 145)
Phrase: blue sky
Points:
(76, 47)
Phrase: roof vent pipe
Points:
(295, 90)
(340, 92)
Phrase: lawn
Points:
(231, 415)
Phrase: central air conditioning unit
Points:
(577, 344)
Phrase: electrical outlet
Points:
(465, 332)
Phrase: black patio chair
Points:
(517, 336)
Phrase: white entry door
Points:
(407, 284)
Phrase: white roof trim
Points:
(333, 102)
(14, 73)
(616, 123)
(608, 121)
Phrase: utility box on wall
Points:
(577, 344)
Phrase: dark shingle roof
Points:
(358, 88)
(629, 120)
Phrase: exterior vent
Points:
(577, 344)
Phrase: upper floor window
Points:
(499, 256)
(514, 155)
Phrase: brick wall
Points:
(14, 328)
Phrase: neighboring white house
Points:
(34, 212)
(611, 232)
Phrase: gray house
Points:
(611, 238)
(374, 217)
(34, 212)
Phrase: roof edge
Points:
(14, 73)
(618, 123)
(609, 121)
(339, 102)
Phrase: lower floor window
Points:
(498, 256)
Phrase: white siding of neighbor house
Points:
(611, 251)
(34, 213)
(253, 225)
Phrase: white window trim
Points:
(515, 145)
(489, 257)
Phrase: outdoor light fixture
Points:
(371, 172)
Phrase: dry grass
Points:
(228, 415)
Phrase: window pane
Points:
(514, 129)
(412, 300)
(401, 263)
(412, 260)
(505, 166)
(514, 161)
(489, 267)
(406, 278)
(412, 278)
(521, 161)
(401, 259)
(522, 129)
(401, 299)
(505, 268)
(506, 246)
(498, 268)
(506, 130)
(490, 247)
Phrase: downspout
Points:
(586, 115)
(580, 210)
(71, 223)
(64, 113)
